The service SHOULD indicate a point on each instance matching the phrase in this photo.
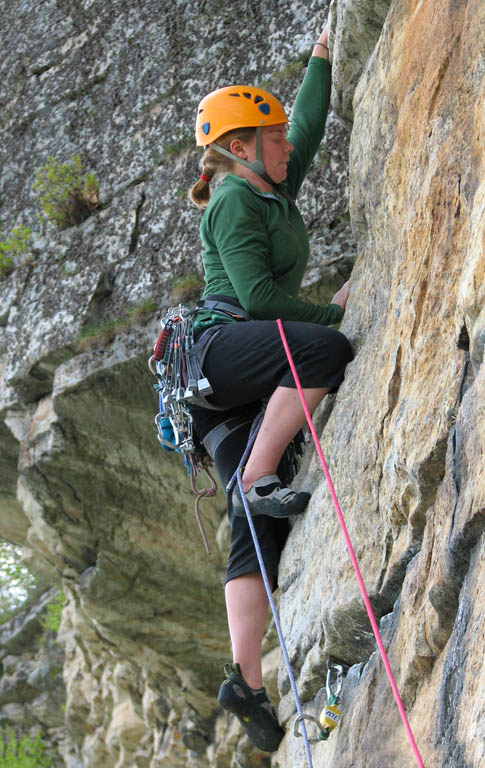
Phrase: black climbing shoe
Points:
(252, 708)
(267, 497)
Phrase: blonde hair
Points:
(213, 163)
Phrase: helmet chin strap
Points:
(257, 166)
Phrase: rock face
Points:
(84, 484)
(32, 690)
(406, 437)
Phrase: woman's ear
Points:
(236, 147)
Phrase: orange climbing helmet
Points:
(236, 106)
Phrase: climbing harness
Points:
(351, 551)
(331, 715)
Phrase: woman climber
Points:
(255, 253)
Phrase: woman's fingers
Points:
(342, 295)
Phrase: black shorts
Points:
(247, 361)
(244, 365)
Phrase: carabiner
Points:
(296, 728)
(334, 688)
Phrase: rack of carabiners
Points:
(179, 380)
(331, 714)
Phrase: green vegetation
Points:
(67, 196)
(17, 242)
(105, 333)
(6, 264)
(16, 581)
(15, 246)
(187, 289)
(52, 619)
(57, 669)
(23, 752)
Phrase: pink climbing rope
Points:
(350, 548)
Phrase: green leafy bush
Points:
(15, 246)
(67, 195)
(23, 752)
(51, 621)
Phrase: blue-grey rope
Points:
(237, 476)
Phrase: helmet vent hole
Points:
(264, 108)
(247, 95)
(257, 99)
(206, 128)
(235, 94)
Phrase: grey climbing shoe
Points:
(252, 708)
(267, 497)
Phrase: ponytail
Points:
(200, 192)
(213, 163)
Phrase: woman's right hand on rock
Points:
(342, 295)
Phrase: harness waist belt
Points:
(221, 306)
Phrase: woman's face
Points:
(276, 151)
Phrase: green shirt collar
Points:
(278, 193)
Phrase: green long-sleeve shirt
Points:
(255, 243)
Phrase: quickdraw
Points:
(331, 715)
(179, 382)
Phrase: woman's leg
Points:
(242, 691)
(283, 417)
(247, 610)
(246, 599)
